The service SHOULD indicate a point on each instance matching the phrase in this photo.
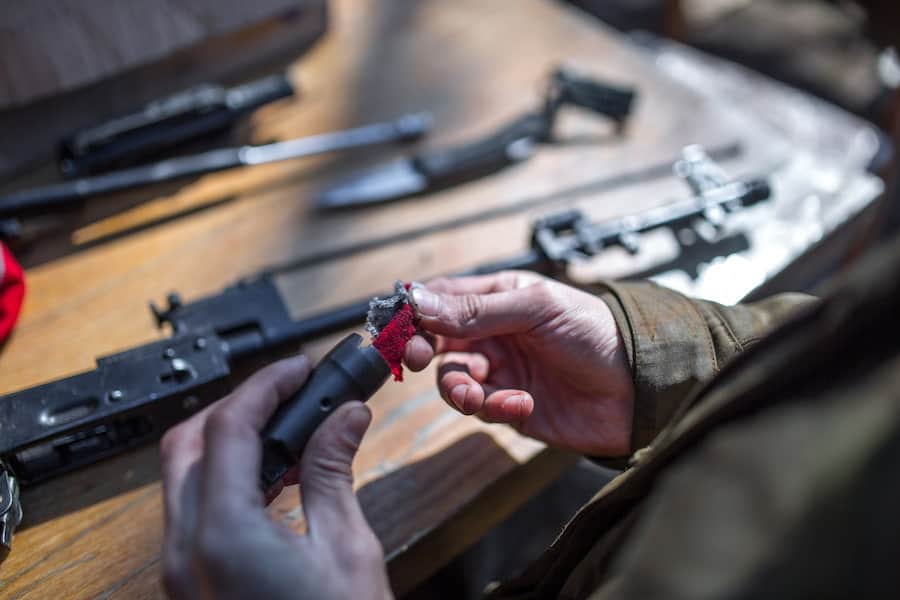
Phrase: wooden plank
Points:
(97, 532)
(33, 130)
(52, 46)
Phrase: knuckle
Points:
(265, 376)
(518, 279)
(170, 445)
(347, 444)
(332, 469)
(224, 419)
(548, 295)
(544, 292)
(469, 308)
(340, 444)
(439, 282)
(212, 549)
(362, 552)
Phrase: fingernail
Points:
(427, 303)
(357, 421)
(458, 396)
(515, 404)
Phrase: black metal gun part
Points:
(165, 123)
(56, 196)
(134, 395)
(436, 169)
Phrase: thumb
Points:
(475, 316)
(326, 478)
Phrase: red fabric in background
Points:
(391, 341)
(12, 292)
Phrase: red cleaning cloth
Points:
(12, 291)
(391, 341)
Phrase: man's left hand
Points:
(219, 540)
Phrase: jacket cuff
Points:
(669, 349)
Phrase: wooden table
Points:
(431, 481)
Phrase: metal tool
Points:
(438, 169)
(39, 200)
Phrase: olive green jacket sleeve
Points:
(674, 342)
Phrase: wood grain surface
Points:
(51, 46)
(431, 481)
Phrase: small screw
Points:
(200, 343)
(169, 353)
(116, 396)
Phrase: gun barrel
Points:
(45, 198)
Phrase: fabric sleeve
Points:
(674, 342)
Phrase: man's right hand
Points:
(522, 349)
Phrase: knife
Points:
(438, 169)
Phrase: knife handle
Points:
(508, 145)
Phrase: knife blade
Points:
(438, 169)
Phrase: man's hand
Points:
(522, 349)
(219, 540)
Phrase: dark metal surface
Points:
(165, 123)
(437, 169)
(393, 180)
(55, 196)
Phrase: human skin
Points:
(220, 542)
(513, 348)
(518, 348)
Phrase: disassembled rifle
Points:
(162, 124)
(135, 395)
(406, 128)
(436, 169)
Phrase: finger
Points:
(482, 284)
(443, 344)
(326, 476)
(418, 353)
(180, 450)
(476, 316)
(422, 348)
(233, 452)
(258, 397)
(459, 381)
(180, 535)
(506, 406)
